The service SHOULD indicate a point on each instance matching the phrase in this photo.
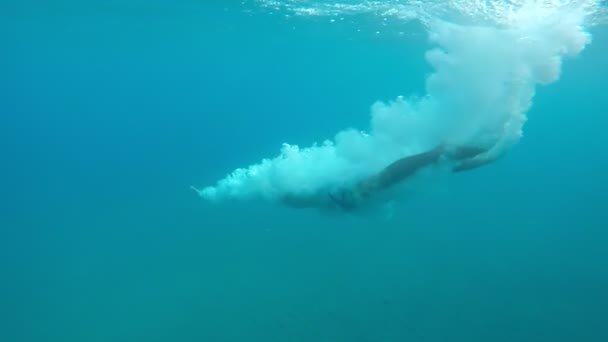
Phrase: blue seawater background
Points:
(110, 110)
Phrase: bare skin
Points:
(398, 171)
(350, 198)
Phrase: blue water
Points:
(109, 111)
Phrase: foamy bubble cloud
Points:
(487, 65)
(295, 170)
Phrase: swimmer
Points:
(350, 198)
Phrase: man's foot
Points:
(464, 152)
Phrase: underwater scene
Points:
(304, 170)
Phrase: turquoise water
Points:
(109, 111)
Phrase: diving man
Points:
(351, 198)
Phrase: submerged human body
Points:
(353, 197)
